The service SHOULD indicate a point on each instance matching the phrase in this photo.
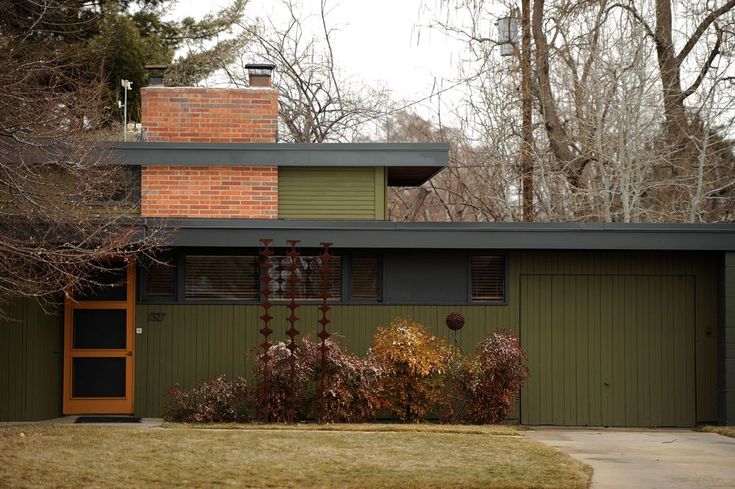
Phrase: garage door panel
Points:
(608, 350)
(594, 342)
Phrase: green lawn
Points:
(305, 456)
(722, 430)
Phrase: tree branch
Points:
(701, 28)
(705, 68)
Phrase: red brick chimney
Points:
(212, 115)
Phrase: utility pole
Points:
(527, 111)
(126, 84)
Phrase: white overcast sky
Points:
(380, 42)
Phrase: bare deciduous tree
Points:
(617, 136)
(316, 103)
(63, 208)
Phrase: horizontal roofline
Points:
(450, 235)
(281, 154)
(408, 164)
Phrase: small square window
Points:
(488, 278)
(160, 279)
(365, 278)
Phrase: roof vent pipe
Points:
(156, 74)
(260, 74)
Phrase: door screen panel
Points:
(99, 347)
(112, 287)
(98, 377)
(99, 329)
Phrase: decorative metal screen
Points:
(221, 277)
(308, 278)
(364, 278)
(488, 278)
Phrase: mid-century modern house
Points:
(623, 324)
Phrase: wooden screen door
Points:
(99, 346)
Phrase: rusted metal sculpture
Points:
(292, 332)
(324, 335)
(292, 286)
(266, 331)
(455, 321)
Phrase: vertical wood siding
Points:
(614, 306)
(331, 193)
(727, 343)
(609, 350)
(30, 363)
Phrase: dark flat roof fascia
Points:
(408, 164)
(448, 235)
(281, 154)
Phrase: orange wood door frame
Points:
(101, 405)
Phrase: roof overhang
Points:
(407, 164)
(448, 235)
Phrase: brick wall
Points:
(205, 191)
(186, 114)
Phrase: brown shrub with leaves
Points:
(215, 400)
(283, 394)
(353, 385)
(415, 365)
(490, 378)
(352, 392)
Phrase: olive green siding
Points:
(195, 342)
(609, 350)
(727, 352)
(31, 349)
(331, 193)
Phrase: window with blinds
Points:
(221, 277)
(365, 278)
(160, 281)
(488, 278)
(308, 278)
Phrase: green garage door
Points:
(608, 350)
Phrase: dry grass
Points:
(722, 430)
(268, 456)
(499, 430)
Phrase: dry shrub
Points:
(352, 387)
(416, 365)
(215, 400)
(282, 393)
(490, 379)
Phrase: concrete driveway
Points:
(669, 459)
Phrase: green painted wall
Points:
(331, 193)
(31, 350)
(615, 350)
(195, 342)
(727, 342)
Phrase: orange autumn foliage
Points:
(415, 365)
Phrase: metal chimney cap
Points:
(156, 74)
(259, 74)
(260, 66)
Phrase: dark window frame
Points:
(225, 300)
(347, 277)
(280, 252)
(143, 295)
(179, 255)
(488, 302)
